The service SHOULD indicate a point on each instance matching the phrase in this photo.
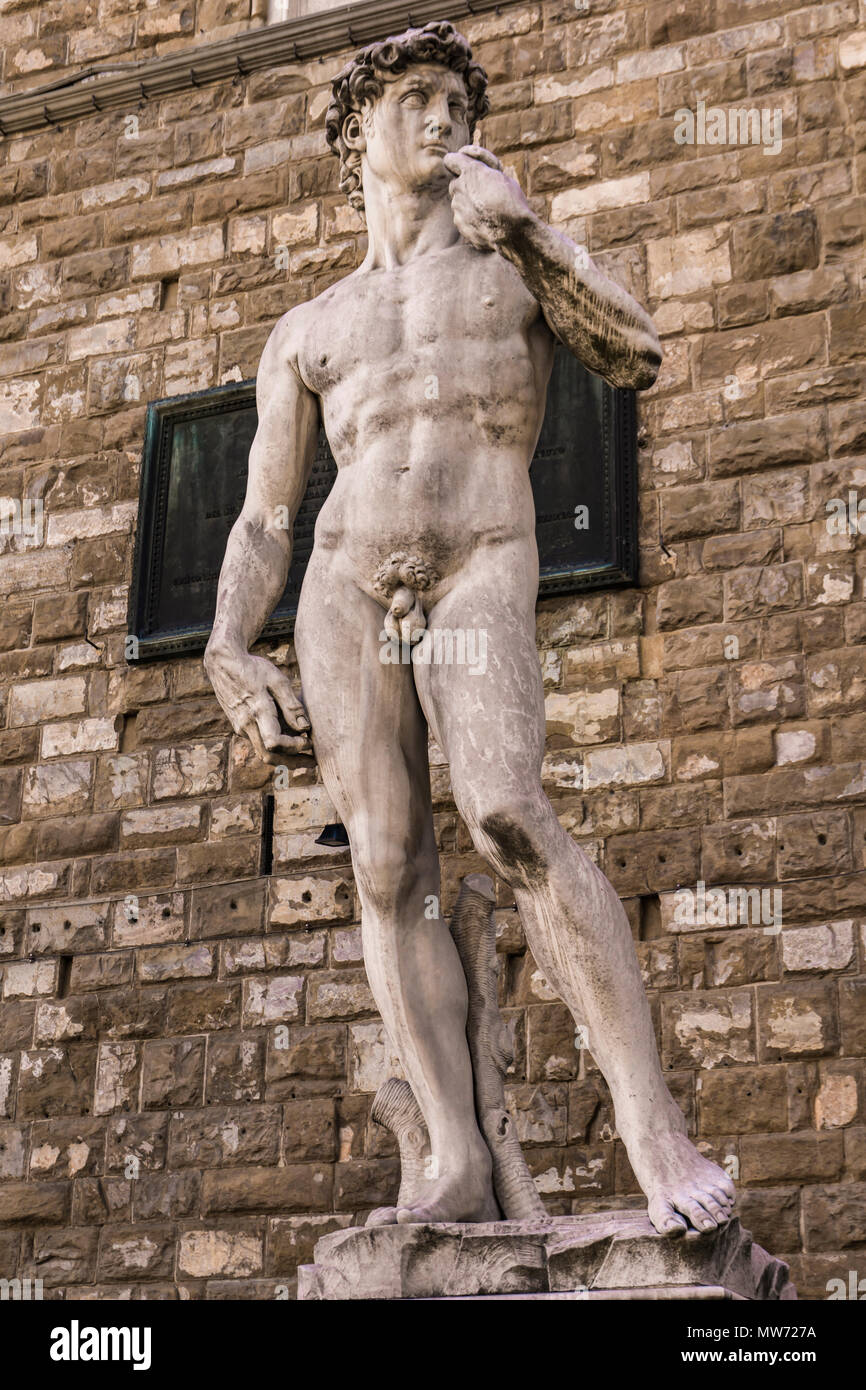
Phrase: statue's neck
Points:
(405, 223)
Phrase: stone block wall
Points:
(43, 40)
(188, 1046)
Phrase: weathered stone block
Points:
(313, 898)
(797, 1020)
(298, 1187)
(708, 1031)
(740, 1100)
(136, 1252)
(67, 1148)
(220, 1138)
(612, 1254)
(339, 994)
(172, 1073)
(205, 1254)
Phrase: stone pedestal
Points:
(611, 1255)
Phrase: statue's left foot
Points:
(683, 1189)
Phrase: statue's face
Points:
(420, 117)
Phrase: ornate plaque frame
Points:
(194, 474)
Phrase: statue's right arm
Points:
(251, 689)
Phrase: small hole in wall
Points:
(166, 912)
(63, 976)
(233, 905)
(266, 863)
(306, 896)
(650, 918)
(822, 839)
(168, 299)
(129, 732)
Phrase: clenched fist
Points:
(487, 205)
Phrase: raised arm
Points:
(596, 320)
(252, 690)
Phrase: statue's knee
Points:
(386, 876)
(510, 836)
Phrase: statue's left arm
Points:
(595, 318)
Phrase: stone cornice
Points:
(297, 40)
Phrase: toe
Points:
(722, 1198)
(665, 1219)
(407, 1215)
(697, 1214)
(716, 1211)
(382, 1216)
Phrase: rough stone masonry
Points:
(188, 1048)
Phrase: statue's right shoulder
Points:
(299, 333)
(288, 330)
(286, 340)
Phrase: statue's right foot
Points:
(382, 1216)
(461, 1194)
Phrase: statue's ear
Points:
(353, 132)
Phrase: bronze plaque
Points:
(193, 483)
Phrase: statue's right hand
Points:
(252, 693)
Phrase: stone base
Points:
(611, 1255)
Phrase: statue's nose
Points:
(440, 120)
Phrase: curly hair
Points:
(363, 80)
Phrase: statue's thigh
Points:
(486, 703)
(369, 733)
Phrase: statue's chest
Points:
(411, 314)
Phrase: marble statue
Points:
(429, 365)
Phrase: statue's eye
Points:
(414, 98)
(458, 110)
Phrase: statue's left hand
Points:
(487, 204)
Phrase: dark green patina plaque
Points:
(194, 473)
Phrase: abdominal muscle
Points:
(439, 509)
